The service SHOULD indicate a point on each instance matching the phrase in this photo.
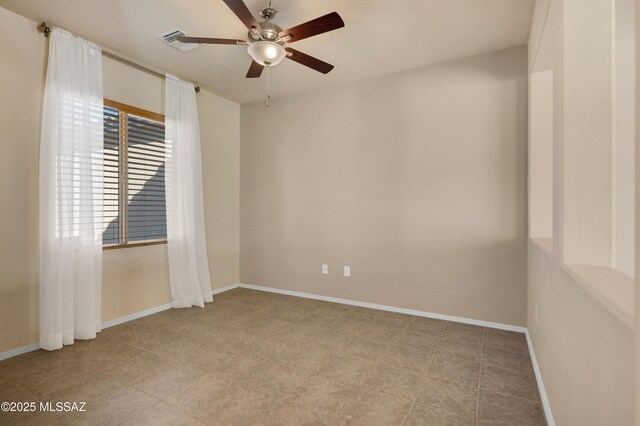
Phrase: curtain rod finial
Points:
(197, 89)
(44, 29)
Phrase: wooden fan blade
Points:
(242, 12)
(309, 61)
(320, 25)
(205, 40)
(255, 70)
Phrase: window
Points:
(134, 211)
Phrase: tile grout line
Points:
(91, 368)
(425, 374)
(71, 360)
(510, 395)
(139, 412)
(484, 331)
(380, 359)
(320, 330)
(18, 384)
(134, 387)
(378, 362)
(361, 390)
(161, 400)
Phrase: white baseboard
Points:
(34, 347)
(451, 318)
(136, 315)
(19, 351)
(223, 289)
(543, 392)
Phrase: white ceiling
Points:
(380, 37)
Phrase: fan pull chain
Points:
(268, 86)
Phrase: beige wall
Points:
(134, 279)
(21, 91)
(637, 217)
(580, 316)
(624, 145)
(585, 352)
(417, 180)
(540, 180)
(220, 133)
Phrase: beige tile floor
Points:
(255, 358)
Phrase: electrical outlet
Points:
(535, 312)
(325, 269)
(347, 271)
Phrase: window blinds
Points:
(134, 195)
(111, 215)
(146, 212)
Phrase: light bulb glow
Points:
(266, 53)
(270, 52)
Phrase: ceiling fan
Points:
(267, 40)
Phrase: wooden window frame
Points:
(123, 111)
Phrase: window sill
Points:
(610, 287)
(131, 245)
(544, 244)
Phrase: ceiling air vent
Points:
(170, 37)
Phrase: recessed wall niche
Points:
(541, 145)
(624, 139)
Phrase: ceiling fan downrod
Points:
(269, 13)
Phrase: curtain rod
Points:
(46, 30)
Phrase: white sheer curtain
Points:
(71, 191)
(188, 264)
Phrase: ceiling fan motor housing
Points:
(266, 31)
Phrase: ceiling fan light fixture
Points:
(266, 40)
(266, 53)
